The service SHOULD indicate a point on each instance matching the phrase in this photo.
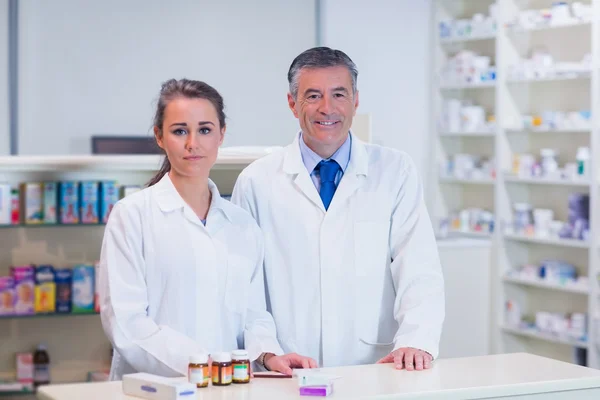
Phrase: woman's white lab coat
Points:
(349, 285)
(171, 287)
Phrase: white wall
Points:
(95, 67)
(4, 121)
(389, 40)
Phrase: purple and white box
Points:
(7, 295)
(24, 278)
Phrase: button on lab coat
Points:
(349, 285)
(171, 287)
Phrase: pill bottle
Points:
(222, 369)
(198, 370)
(241, 366)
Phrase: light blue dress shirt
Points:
(311, 159)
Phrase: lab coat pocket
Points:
(371, 258)
(238, 283)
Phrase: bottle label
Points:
(226, 374)
(41, 373)
(196, 375)
(240, 372)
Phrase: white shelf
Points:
(572, 24)
(575, 76)
(547, 131)
(581, 244)
(469, 234)
(467, 39)
(543, 285)
(532, 333)
(482, 85)
(545, 181)
(486, 134)
(227, 157)
(465, 181)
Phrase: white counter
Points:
(514, 375)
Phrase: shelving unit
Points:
(509, 100)
(531, 333)
(69, 245)
(546, 181)
(475, 181)
(579, 244)
(543, 285)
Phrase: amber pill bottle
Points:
(222, 369)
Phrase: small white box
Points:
(5, 204)
(154, 387)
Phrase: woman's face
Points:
(191, 135)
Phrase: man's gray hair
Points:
(320, 57)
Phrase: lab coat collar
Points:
(359, 161)
(169, 199)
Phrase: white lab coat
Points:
(349, 285)
(171, 287)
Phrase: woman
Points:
(181, 269)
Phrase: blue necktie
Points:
(327, 171)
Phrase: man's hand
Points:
(285, 363)
(408, 358)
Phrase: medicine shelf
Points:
(569, 91)
(546, 181)
(548, 337)
(33, 226)
(482, 85)
(49, 315)
(581, 244)
(572, 76)
(467, 39)
(541, 28)
(20, 393)
(543, 285)
(469, 233)
(487, 134)
(547, 131)
(470, 181)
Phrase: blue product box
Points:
(63, 290)
(88, 196)
(109, 195)
(68, 202)
(50, 202)
(83, 289)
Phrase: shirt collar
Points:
(169, 199)
(311, 159)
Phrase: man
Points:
(351, 264)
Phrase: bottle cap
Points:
(239, 355)
(199, 358)
(42, 346)
(221, 357)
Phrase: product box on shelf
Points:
(88, 195)
(50, 202)
(7, 295)
(32, 207)
(109, 195)
(25, 369)
(5, 204)
(83, 289)
(45, 289)
(63, 290)
(24, 289)
(68, 202)
(15, 205)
